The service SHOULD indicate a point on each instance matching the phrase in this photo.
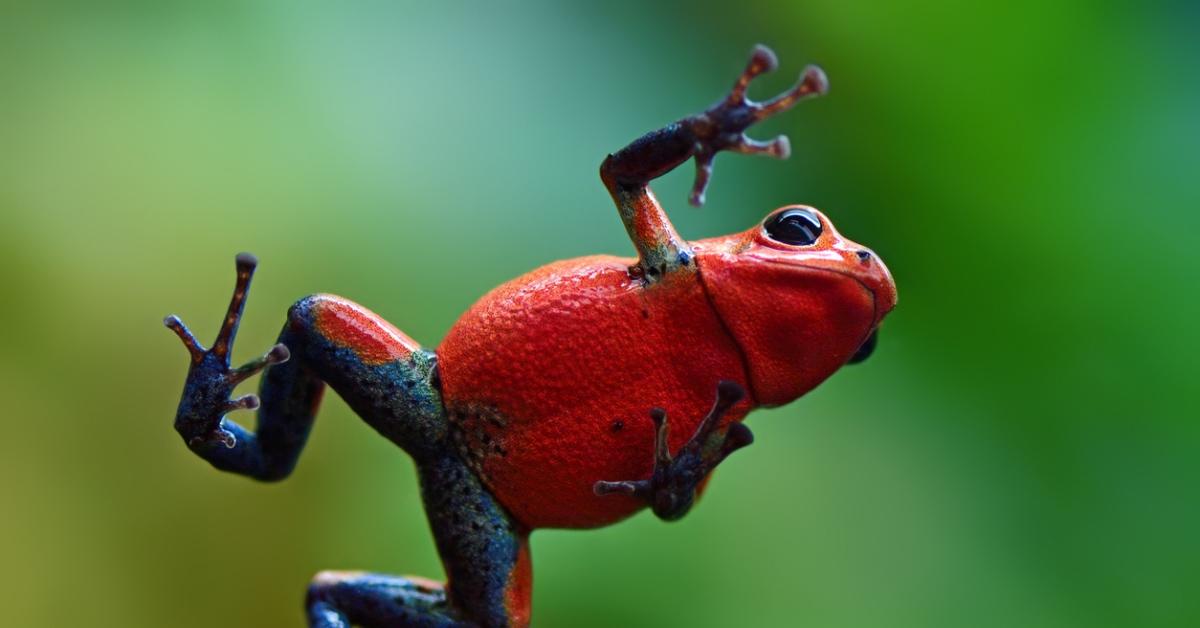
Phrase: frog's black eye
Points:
(799, 227)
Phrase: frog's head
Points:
(800, 299)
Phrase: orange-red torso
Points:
(549, 380)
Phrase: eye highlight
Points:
(798, 227)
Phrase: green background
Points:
(1022, 450)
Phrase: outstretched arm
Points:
(627, 173)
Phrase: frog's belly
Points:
(549, 381)
(542, 469)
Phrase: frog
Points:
(571, 397)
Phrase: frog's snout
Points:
(875, 277)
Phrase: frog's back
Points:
(549, 380)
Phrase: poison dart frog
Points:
(570, 397)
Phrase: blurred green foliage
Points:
(1021, 451)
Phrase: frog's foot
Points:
(671, 488)
(210, 381)
(723, 126)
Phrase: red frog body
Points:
(548, 377)
(570, 397)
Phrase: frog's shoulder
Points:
(590, 269)
(580, 277)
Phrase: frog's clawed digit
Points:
(723, 126)
(671, 488)
(206, 396)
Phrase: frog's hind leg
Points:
(385, 376)
(392, 383)
(484, 552)
(340, 599)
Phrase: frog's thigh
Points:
(384, 375)
(336, 323)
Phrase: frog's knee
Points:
(347, 324)
(328, 578)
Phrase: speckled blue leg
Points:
(484, 552)
(291, 390)
(341, 599)
(395, 397)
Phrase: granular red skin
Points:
(824, 313)
(565, 363)
(573, 356)
(549, 378)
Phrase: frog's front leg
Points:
(628, 172)
(671, 488)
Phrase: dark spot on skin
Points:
(617, 426)
(684, 258)
(645, 313)
(863, 256)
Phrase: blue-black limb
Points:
(396, 397)
(671, 488)
(210, 383)
(343, 599)
(627, 173)
(484, 552)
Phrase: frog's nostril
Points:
(864, 255)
